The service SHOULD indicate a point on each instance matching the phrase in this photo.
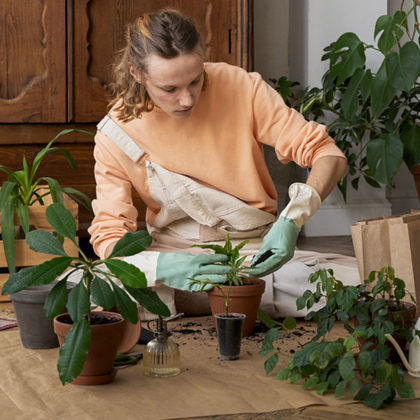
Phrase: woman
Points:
(187, 136)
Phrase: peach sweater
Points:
(218, 145)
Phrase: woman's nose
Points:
(186, 99)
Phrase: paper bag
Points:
(393, 241)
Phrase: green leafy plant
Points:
(97, 284)
(23, 189)
(368, 312)
(238, 270)
(372, 115)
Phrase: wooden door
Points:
(98, 32)
(32, 61)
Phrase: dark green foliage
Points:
(238, 271)
(23, 189)
(103, 291)
(373, 117)
(368, 312)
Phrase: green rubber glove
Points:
(175, 268)
(278, 245)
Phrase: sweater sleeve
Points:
(286, 130)
(114, 211)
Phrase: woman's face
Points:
(174, 85)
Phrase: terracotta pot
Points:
(243, 299)
(105, 340)
(416, 174)
(401, 319)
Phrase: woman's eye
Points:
(169, 90)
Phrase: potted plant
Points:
(372, 115)
(23, 200)
(22, 193)
(234, 304)
(368, 374)
(241, 292)
(81, 330)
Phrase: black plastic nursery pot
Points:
(35, 329)
(229, 333)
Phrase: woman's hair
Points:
(166, 33)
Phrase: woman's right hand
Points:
(174, 269)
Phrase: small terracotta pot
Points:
(105, 340)
(243, 299)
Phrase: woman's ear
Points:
(134, 73)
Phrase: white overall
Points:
(192, 213)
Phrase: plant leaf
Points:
(18, 281)
(382, 92)
(271, 363)
(270, 336)
(289, 323)
(126, 307)
(384, 157)
(386, 41)
(350, 99)
(346, 367)
(23, 215)
(351, 52)
(48, 271)
(56, 299)
(85, 202)
(403, 68)
(410, 137)
(78, 304)
(129, 274)
(264, 318)
(45, 242)
(364, 361)
(61, 220)
(150, 300)
(131, 244)
(406, 390)
(102, 293)
(8, 233)
(55, 190)
(340, 389)
(74, 351)
(377, 399)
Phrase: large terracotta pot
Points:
(243, 299)
(105, 340)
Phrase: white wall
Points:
(289, 37)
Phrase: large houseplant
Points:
(372, 115)
(369, 312)
(23, 189)
(97, 284)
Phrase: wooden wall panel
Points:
(32, 61)
(98, 33)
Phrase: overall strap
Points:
(111, 129)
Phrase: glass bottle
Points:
(162, 356)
